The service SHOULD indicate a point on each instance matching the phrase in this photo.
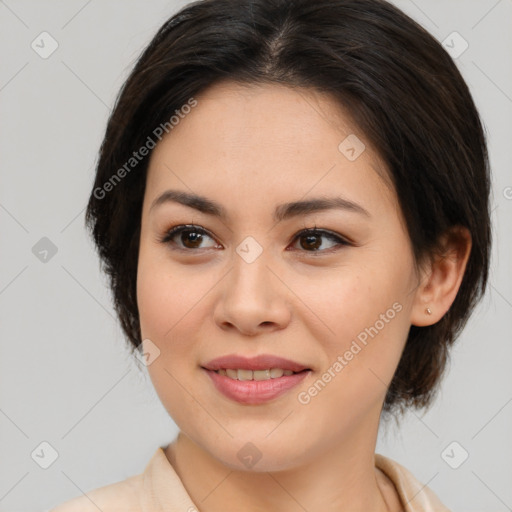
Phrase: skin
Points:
(251, 149)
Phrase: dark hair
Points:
(401, 88)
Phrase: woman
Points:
(292, 205)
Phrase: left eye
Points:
(311, 240)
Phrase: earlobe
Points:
(440, 280)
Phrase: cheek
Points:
(174, 302)
(153, 300)
(365, 319)
(353, 299)
(164, 293)
(167, 302)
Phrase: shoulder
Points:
(120, 496)
(414, 495)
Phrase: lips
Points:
(255, 392)
(259, 362)
(258, 389)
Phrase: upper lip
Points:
(259, 362)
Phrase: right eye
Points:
(189, 237)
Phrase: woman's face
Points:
(248, 283)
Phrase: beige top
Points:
(159, 489)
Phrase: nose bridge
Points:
(252, 296)
(250, 272)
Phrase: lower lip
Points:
(255, 391)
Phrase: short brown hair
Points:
(397, 82)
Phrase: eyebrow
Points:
(282, 212)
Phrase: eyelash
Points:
(340, 241)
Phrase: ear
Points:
(441, 277)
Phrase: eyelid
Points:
(332, 235)
(327, 233)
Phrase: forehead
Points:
(284, 118)
(261, 141)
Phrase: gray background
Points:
(65, 375)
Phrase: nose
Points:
(253, 299)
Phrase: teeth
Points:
(271, 373)
(261, 374)
(244, 374)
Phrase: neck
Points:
(343, 478)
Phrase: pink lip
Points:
(255, 391)
(259, 362)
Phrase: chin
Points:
(257, 456)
